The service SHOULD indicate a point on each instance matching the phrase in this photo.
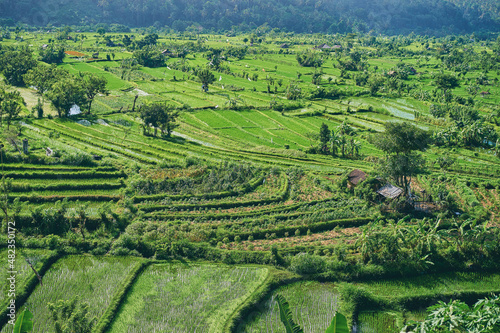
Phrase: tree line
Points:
(333, 16)
(20, 68)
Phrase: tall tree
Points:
(11, 106)
(52, 54)
(158, 115)
(66, 93)
(206, 77)
(446, 82)
(324, 137)
(15, 63)
(92, 85)
(42, 77)
(399, 142)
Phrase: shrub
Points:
(305, 263)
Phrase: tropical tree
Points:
(206, 77)
(15, 63)
(42, 77)
(446, 82)
(92, 85)
(65, 93)
(232, 102)
(158, 115)
(52, 54)
(11, 106)
(149, 56)
(293, 91)
(324, 137)
(399, 142)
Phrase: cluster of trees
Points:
(339, 142)
(467, 128)
(309, 59)
(158, 116)
(422, 16)
(20, 68)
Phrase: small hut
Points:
(390, 191)
(355, 177)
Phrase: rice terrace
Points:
(279, 169)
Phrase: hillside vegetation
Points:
(138, 166)
(333, 16)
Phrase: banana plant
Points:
(338, 324)
(286, 316)
(24, 322)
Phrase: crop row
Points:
(290, 229)
(64, 187)
(66, 175)
(150, 149)
(280, 196)
(221, 216)
(55, 198)
(110, 146)
(251, 186)
(56, 168)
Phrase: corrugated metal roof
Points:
(390, 191)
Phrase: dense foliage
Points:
(394, 17)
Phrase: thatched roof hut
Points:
(355, 177)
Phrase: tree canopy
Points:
(400, 143)
(402, 138)
(158, 115)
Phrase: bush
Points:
(305, 263)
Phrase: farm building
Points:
(355, 177)
(390, 191)
(323, 47)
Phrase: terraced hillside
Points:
(255, 180)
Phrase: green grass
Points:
(375, 321)
(186, 298)
(434, 284)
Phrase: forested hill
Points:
(327, 16)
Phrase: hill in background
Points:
(432, 17)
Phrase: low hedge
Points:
(65, 175)
(64, 187)
(316, 227)
(253, 184)
(55, 198)
(282, 196)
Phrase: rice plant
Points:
(375, 321)
(93, 279)
(175, 298)
(313, 306)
